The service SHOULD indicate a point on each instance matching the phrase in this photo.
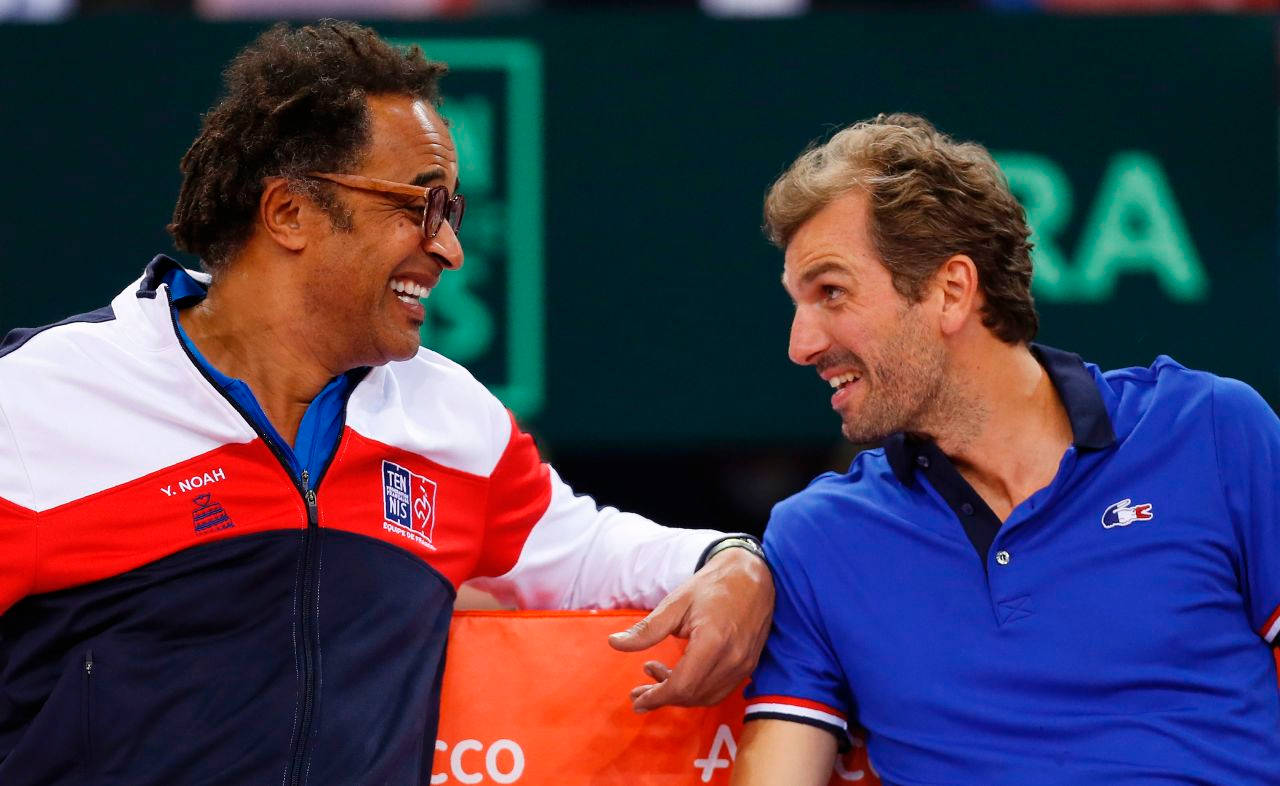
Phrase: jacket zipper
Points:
(88, 711)
(309, 625)
(310, 636)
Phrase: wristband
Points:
(732, 542)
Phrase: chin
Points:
(862, 437)
(860, 433)
(380, 353)
(402, 351)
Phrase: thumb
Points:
(647, 632)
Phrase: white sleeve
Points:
(578, 556)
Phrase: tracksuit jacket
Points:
(178, 607)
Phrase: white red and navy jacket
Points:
(178, 608)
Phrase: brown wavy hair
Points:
(931, 197)
(294, 103)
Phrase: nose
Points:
(808, 339)
(445, 247)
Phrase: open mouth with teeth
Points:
(409, 292)
(842, 380)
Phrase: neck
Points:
(255, 329)
(1005, 428)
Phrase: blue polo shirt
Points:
(1117, 628)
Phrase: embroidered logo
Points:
(1015, 609)
(1122, 514)
(209, 516)
(408, 503)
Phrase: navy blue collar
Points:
(1091, 427)
(158, 269)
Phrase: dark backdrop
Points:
(621, 165)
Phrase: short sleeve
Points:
(1247, 436)
(799, 676)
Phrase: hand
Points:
(724, 611)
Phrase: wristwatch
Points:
(731, 542)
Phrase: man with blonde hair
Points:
(1046, 574)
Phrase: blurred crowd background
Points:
(618, 293)
(55, 10)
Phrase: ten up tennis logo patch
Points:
(408, 503)
(1122, 514)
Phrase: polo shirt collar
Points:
(1091, 426)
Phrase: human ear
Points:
(957, 279)
(283, 214)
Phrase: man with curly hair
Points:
(1047, 574)
(246, 575)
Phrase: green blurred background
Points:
(618, 292)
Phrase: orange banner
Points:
(540, 699)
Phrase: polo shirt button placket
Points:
(1002, 557)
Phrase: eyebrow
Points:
(821, 268)
(434, 173)
(424, 178)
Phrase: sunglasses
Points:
(440, 206)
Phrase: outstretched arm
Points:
(547, 548)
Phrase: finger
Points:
(694, 674)
(658, 671)
(652, 629)
(637, 693)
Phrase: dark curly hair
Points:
(931, 197)
(294, 103)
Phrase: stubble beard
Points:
(906, 386)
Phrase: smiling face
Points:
(368, 281)
(883, 354)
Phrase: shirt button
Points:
(1002, 557)
(923, 461)
(966, 509)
